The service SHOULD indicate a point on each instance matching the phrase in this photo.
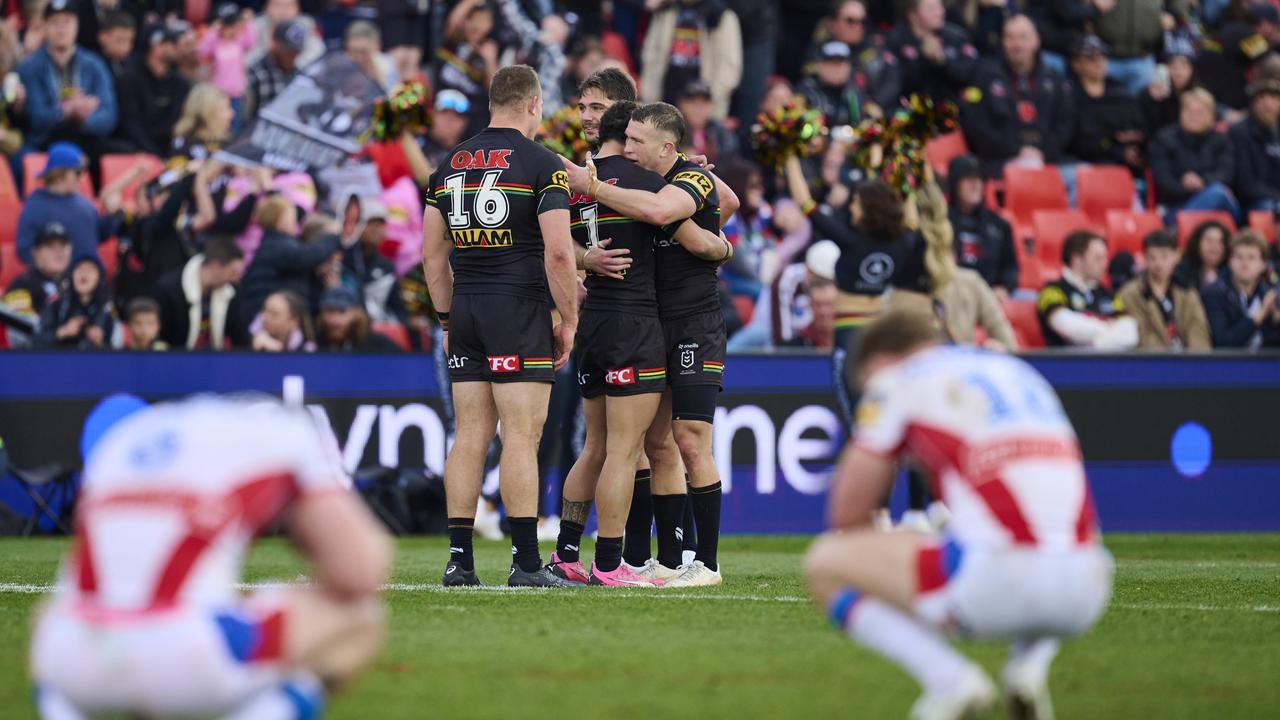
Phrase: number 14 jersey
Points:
(491, 190)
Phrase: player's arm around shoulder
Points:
(673, 202)
(703, 244)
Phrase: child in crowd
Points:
(223, 48)
(142, 319)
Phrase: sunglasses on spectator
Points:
(458, 105)
(847, 20)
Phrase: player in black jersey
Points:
(498, 207)
(689, 307)
(621, 359)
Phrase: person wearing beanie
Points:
(983, 240)
(82, 317)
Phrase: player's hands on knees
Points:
(563, 334)
(605, 262)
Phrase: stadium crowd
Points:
(1159, 121)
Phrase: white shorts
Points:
(180, 662)
(1020, 592)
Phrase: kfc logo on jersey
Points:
(624, 376)
(464, 160)
(504, 363)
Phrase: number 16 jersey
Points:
(491, 190)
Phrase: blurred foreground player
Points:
(147, 620)
(1021, 558)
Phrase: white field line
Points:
(32, 589)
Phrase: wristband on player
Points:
(728, 250)
(444, 320)
(808, 206)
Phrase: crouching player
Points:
(1021, 558)
(147, 620)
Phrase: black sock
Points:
(667, 511)
(524, 543)
(569, 541)
(706, 510)
(460, 542)
(636, 548)
(608, 553)
(689, 526)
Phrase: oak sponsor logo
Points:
(480, 160)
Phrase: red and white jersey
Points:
(993, 436)
(174, 494)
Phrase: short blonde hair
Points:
(197, 113)
(1199, 95)
(272, 210)
(1249, 238)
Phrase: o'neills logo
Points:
(480, 237)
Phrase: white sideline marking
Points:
(32, 589)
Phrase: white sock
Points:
(1029, 660)
(300, 697)
(920, 651)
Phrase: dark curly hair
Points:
(882, 212)
(1191, 254)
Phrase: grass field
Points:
(1193, 632)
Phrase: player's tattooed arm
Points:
(575, 512)
(660, 208)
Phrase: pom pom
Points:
(900, 160)
(406, 108)
(793, 129)
(562, 134)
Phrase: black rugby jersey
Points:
(490, 190)
(687, 284)
(869, 265)
(593, 221)
(1098, 303)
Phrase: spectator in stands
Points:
(983, 240)
(199, 305)
(1059, 23)
(692, 40)
(277, 12)
(1169, 314)
(1226, 65)
(282, 261)
(1134, 31)
(1162, 102)
(284, 325)
(936, 58)
(831, 89)
(142, 319)
(982, 20)
(82, 317)
(365, 269)
(60, 200)
(1256, 140)
(1019, 111)
(875, 71)
(152, 93)
(706, 135)
(12, 99)
(363, 45)
(448, 127)
(205, 123)
(70, 92)
(968, 303)
(186, 51)
(540, 45)
(41, 283)
(1109, 126)
(116, 35)
(759, 51)
(223, 48)
(269, 76)
(1076, 309)
(1242, 306)
(1193, 164)
(405, 27)
(467, 60)
(343, 325)
(1204, 257)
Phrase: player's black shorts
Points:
(500, 338)
(695, 350)
(620, 354)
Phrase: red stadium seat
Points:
(1100, 188)
(8, 188)
(109, 251)
(33, 163)
(745, 306)
(114, 166)
(1029, 189)
(396, 332)
(10, 266)
(1189, 220)
(1051, 227)
(1126, 229)
(941, 150)
(10, 208)
(1263, 221)
(1026, 323)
